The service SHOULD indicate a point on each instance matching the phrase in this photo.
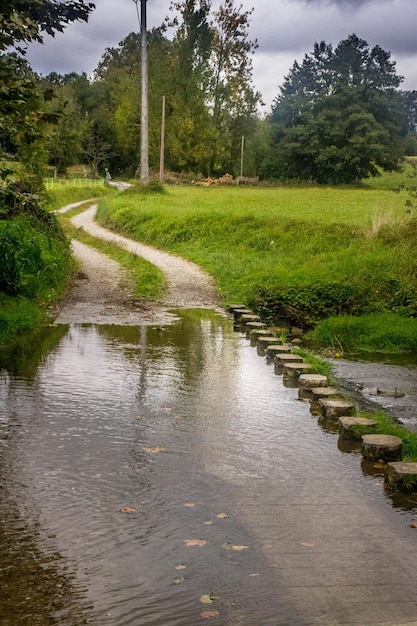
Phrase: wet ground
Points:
(379, 385)
(165, 475)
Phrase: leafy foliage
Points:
(339, 115)
(23, 21)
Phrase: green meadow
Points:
(306, 256)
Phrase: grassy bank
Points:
(298, 254)
(35, 261)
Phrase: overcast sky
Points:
(285, 30)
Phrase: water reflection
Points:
(127, 442)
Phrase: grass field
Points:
(302, 254)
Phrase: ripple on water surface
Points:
(162, 466)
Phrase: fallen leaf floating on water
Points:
(267, 546)
(140, 417)
(195, 542)
(207, 614)
(180, 567)
(413, 525)
(229, 546)
(179, 580)
(222, 515)
(128, 509)
(209, 598)
(189, 505)
(154, 449)
(208, 523)
(306, 544)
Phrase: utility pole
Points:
(143, 169)
(162, 155)
(242, 148)
(144, 132)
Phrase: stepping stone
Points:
(239, 312)
(273, 350)
(287, 357)
(322, 392)
(294, 370)
(332, 409)
(402, 476)
(312, 381)
(264, 342)
(250, 326)
(255, 334)
(308, 382)
(384, 447)
(347, 431)
(236, 307)
(249, 317)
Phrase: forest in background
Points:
(339, 117)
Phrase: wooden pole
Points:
(162, 155)
(144, 131)
(241, 155)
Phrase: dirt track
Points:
(102, 292)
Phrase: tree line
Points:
(339, 116)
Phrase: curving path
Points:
(102, 291)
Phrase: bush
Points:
(304, 305)
(33, 261)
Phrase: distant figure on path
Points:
(108, 175)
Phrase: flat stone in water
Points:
(273, 350)
(402, 476)
(346, 424)
(321, 392)
(239, 312)
(236, 307)
(249, 317)
(307, 382)
(287, 357)
(384, 447)
(264, 342)
(324, 392)
(255, 334)
(333, 409)
(312, 381)
(294, 370)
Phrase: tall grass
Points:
(302, 254)
(17, 316)
(58, 197)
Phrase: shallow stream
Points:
(165, 476)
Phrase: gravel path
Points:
(102, 292)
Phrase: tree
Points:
(232, 98)
(22, 22)
(338, 117)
